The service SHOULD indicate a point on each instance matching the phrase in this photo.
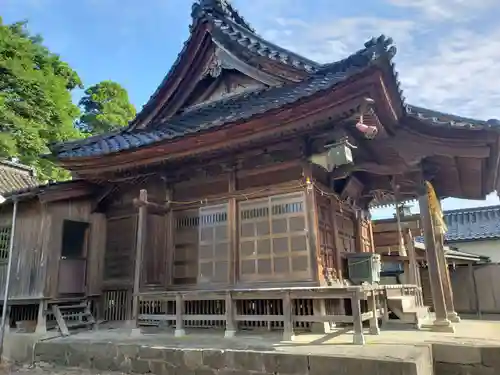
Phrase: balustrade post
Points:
(41, 322)
(179, 316)
(230, 323)
(372, 303)
(288, 333)
(359, 338)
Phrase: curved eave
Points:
(286, 120)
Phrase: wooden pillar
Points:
(441, 323)
(358, 337)
(288, 331)
(233, 230)
(230, 323)
(139, 251)
(336, 239)
(312, 223)
(179, 316)
(170, 240)
(445, 277)
(413, 266)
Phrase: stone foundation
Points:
(132, 358)
(466, 359)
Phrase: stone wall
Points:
(466, 359)
(130, 358)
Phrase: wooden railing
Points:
(287, 309)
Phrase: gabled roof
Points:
(473, 223)
(236, 108)
(229, 31)
(15, 176)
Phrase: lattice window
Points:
(201, 245)
(273, 239)
(5, 233)
(120, 246)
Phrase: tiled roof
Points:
(473, 223)
(14, 176)
(232, 31)
(445, 119)
(232, 109)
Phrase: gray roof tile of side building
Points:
(234, 108)
(473, 223)
(15, 176)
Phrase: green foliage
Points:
(106, 107)
(35, 99)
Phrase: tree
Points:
(106, 107)
(35, 99)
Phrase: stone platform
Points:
(473, 349)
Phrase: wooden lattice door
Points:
(273, 241)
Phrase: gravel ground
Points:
(47, 369)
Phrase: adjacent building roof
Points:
(15, 176)
(473, 223)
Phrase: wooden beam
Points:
(152, 207)
(373, 168)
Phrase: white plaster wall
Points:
(489, 248)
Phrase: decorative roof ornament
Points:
(220, 7)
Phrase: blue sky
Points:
(448, 50)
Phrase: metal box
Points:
(364, 268)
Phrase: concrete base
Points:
(358, 339)
(321, 328)
(135, 332)
(288, 337)
(179, 333)
(374, 331)
(229, 333)
(453, 317)
(440, 326)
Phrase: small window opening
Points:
(74, 239)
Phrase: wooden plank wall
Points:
(29, 262)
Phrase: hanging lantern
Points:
(336, 155)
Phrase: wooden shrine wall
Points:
(255, 228)
(38, 265)
(30, 255)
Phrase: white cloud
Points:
(456, 10)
